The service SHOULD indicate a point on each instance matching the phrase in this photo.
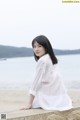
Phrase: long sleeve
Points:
(48, 87)
(39, 76)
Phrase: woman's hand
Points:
(27, 107)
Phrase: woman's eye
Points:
(39, 45)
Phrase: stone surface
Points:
(55, 117)
(74, 115)
(39, 114)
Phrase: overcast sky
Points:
(22, 20)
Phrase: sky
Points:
(22, 20)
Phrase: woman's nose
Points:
(36, 48)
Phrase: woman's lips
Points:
(37, 52)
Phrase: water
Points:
(70, 69)
(18, 73)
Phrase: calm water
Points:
(18, 73)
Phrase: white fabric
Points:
(48, 87)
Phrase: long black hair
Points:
(43, 40)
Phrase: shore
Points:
(13, 100)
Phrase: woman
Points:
(47, 91)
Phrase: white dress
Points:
(48, 87)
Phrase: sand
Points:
(13, 100)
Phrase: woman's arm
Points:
(38, 78)
(31, 98)
(29, 105)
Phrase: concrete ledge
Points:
(39, 114)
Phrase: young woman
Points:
(47, 91)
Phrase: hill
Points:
(11, 51)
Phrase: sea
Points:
(18, 73)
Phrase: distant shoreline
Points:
(13, 52)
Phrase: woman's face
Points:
(39, 50)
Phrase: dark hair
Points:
(43, 40)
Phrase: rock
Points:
(39, 114)
(55, 117)
(74, 115)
